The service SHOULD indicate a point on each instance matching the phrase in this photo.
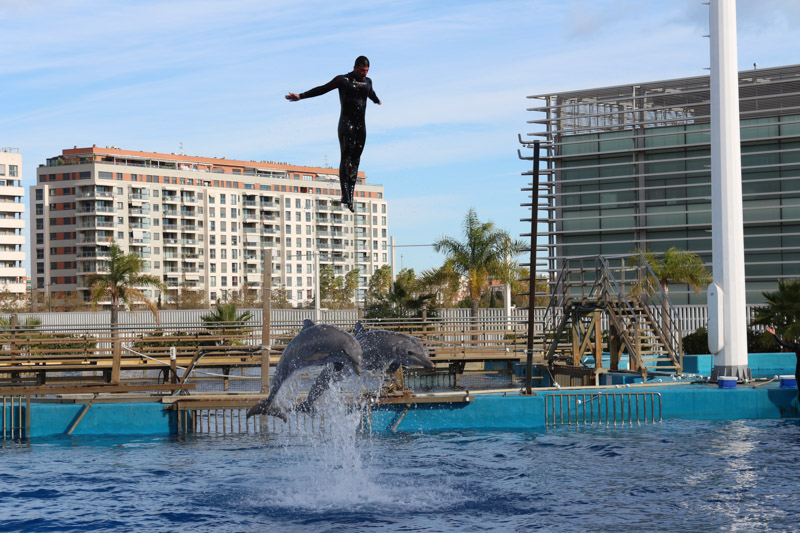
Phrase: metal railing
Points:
(16, 418)
(602, 408)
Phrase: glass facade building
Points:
(627, 168)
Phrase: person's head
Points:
(361, 67)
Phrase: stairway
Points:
(621, 293)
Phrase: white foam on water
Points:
(326, 462)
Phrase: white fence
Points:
(691, 318)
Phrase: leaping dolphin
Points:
(380, 349)
(316, 344)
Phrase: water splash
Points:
(328, 461)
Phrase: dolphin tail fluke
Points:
(265, 407)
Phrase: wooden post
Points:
(14, 347)
(532, 267)
(266, 296)
(116, 344)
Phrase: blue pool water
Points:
(670, 476)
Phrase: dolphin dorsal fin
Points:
(307, 323)
(358, 329)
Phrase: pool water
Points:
(670, 476)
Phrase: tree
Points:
(379, 284)
(337, 292)
(120, 283)
(226, 321)
(444, 282)
(678, 266)
(482, 253)
(403, 300)
(782, 310)
(10, 302)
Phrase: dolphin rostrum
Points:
(316, 344)
(380, 349)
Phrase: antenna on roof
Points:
(180, 145)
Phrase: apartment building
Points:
(628, 167)
(12, 222)
(200, 223)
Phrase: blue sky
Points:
(453, 77)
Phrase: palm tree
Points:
(120, 285)
(782, 310)
(443, 281)
(224, 320)
(484, 252)
(678, 266)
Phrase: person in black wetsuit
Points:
(792, 346)
(354, 89)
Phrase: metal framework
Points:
(627, 167)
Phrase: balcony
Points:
(95, 194)
(169, 213)
(189, 228)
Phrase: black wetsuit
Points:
(796, 348)
(353, 96)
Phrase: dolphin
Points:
(316, 344)
(380, 349)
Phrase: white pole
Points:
(727, 317)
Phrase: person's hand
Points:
(770, 329)
(292, 97)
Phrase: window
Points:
(234, 212)
(212, 239)
(212, 253)
(119, 205)
(224, 268)
(234, 253)
(222, 212)
(297, 216)
(120, 235)
(223, 226)
(224, 281)
(212, 211)
(213, 267)
(383, 221)
(119, 189)
(13, 171)
(297, 203)
(120, 220)
(222, 201)
(213, 280)
(223, 254)
(39, 194)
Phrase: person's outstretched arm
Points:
(316, 91)
(790, 345)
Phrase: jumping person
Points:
(794, 347)
(354, 89)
